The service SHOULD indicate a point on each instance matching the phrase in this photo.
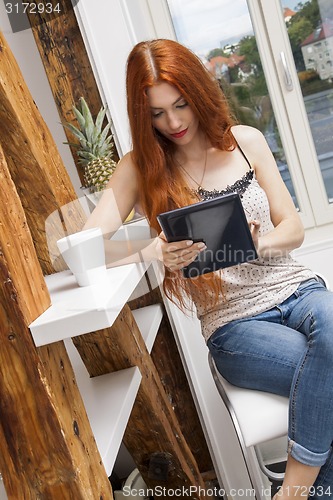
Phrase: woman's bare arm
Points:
(288, 232)
(117, 201)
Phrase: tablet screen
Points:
(221, 224)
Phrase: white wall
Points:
(109, 48)
(319, 257)
(26, 53)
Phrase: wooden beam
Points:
(153, 426)
(62, 50)
(35, 165)
(42, 453)
(166, 358)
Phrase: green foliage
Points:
(312, 84)
(248, 48)
(215, 53)
(298, 31)
(94, 142)
(300, 27)
(233, 74)
(308, 10)
(247, 107)
(308, 76)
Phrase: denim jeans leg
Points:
(289, 350)
(252, 353)
(311, 400)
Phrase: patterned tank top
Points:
(252, 287)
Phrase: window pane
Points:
(220, 32)
(310, 31)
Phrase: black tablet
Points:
(221, 224)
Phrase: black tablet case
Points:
(221, 224)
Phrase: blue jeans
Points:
(288, 350)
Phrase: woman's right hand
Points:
(178, 254)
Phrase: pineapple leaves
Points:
(102, 138)
(79, 117)
(95, 148)
(76, 132)
(89, 123)
(86, 155)
(98, 124)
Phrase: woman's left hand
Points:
(254, 226)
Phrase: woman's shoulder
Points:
(252, 143)
(126, 164)
(245, 135)
(126, 174)
(127, 160)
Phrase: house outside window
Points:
(310, 44)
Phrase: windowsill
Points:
(321, 235)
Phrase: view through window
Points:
(220, 32)
(310, 32)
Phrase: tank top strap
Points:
(244, 155)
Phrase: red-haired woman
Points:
(268, 323)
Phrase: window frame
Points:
(144, 19)
(267, 16)
(290, 113)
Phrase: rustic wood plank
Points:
(114, 350)
(42, 453)
(35, 165)
(67, 65)
(175, 383)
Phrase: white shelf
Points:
(109, 398)
(78, 310)
(148, 320)
(75, 310)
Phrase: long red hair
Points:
(161, 182)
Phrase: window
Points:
(292, 102)
(285, 93)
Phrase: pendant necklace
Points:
(199, 184)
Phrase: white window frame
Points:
(110, 28)
(273, 23)
(290, 113)
(145, 19)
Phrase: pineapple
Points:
(95, 150)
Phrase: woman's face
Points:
(171, 115)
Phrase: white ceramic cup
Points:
(84, 254)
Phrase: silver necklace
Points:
(199, 184)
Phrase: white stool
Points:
(258, 418)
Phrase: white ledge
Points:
(78, 310)
(109, 398)
(148, 320)
(75, 310)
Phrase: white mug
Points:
(84, 254)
